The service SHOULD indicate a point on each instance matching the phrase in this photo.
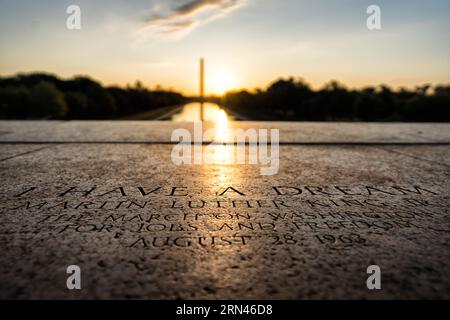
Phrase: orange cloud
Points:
(186, 17)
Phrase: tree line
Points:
(293, 99)
(45, 96)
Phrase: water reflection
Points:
(216, 119)
(191, 112)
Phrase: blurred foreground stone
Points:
(106, 196)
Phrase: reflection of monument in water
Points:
(211, 112)
(202, 110)
(202, 87)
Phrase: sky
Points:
(245, 43)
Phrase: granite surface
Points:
(106, 196)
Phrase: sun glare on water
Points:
(212, 112)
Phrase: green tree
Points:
(47, 101)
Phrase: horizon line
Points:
(161, 87)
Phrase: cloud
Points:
(180, 20)
(197, 5)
